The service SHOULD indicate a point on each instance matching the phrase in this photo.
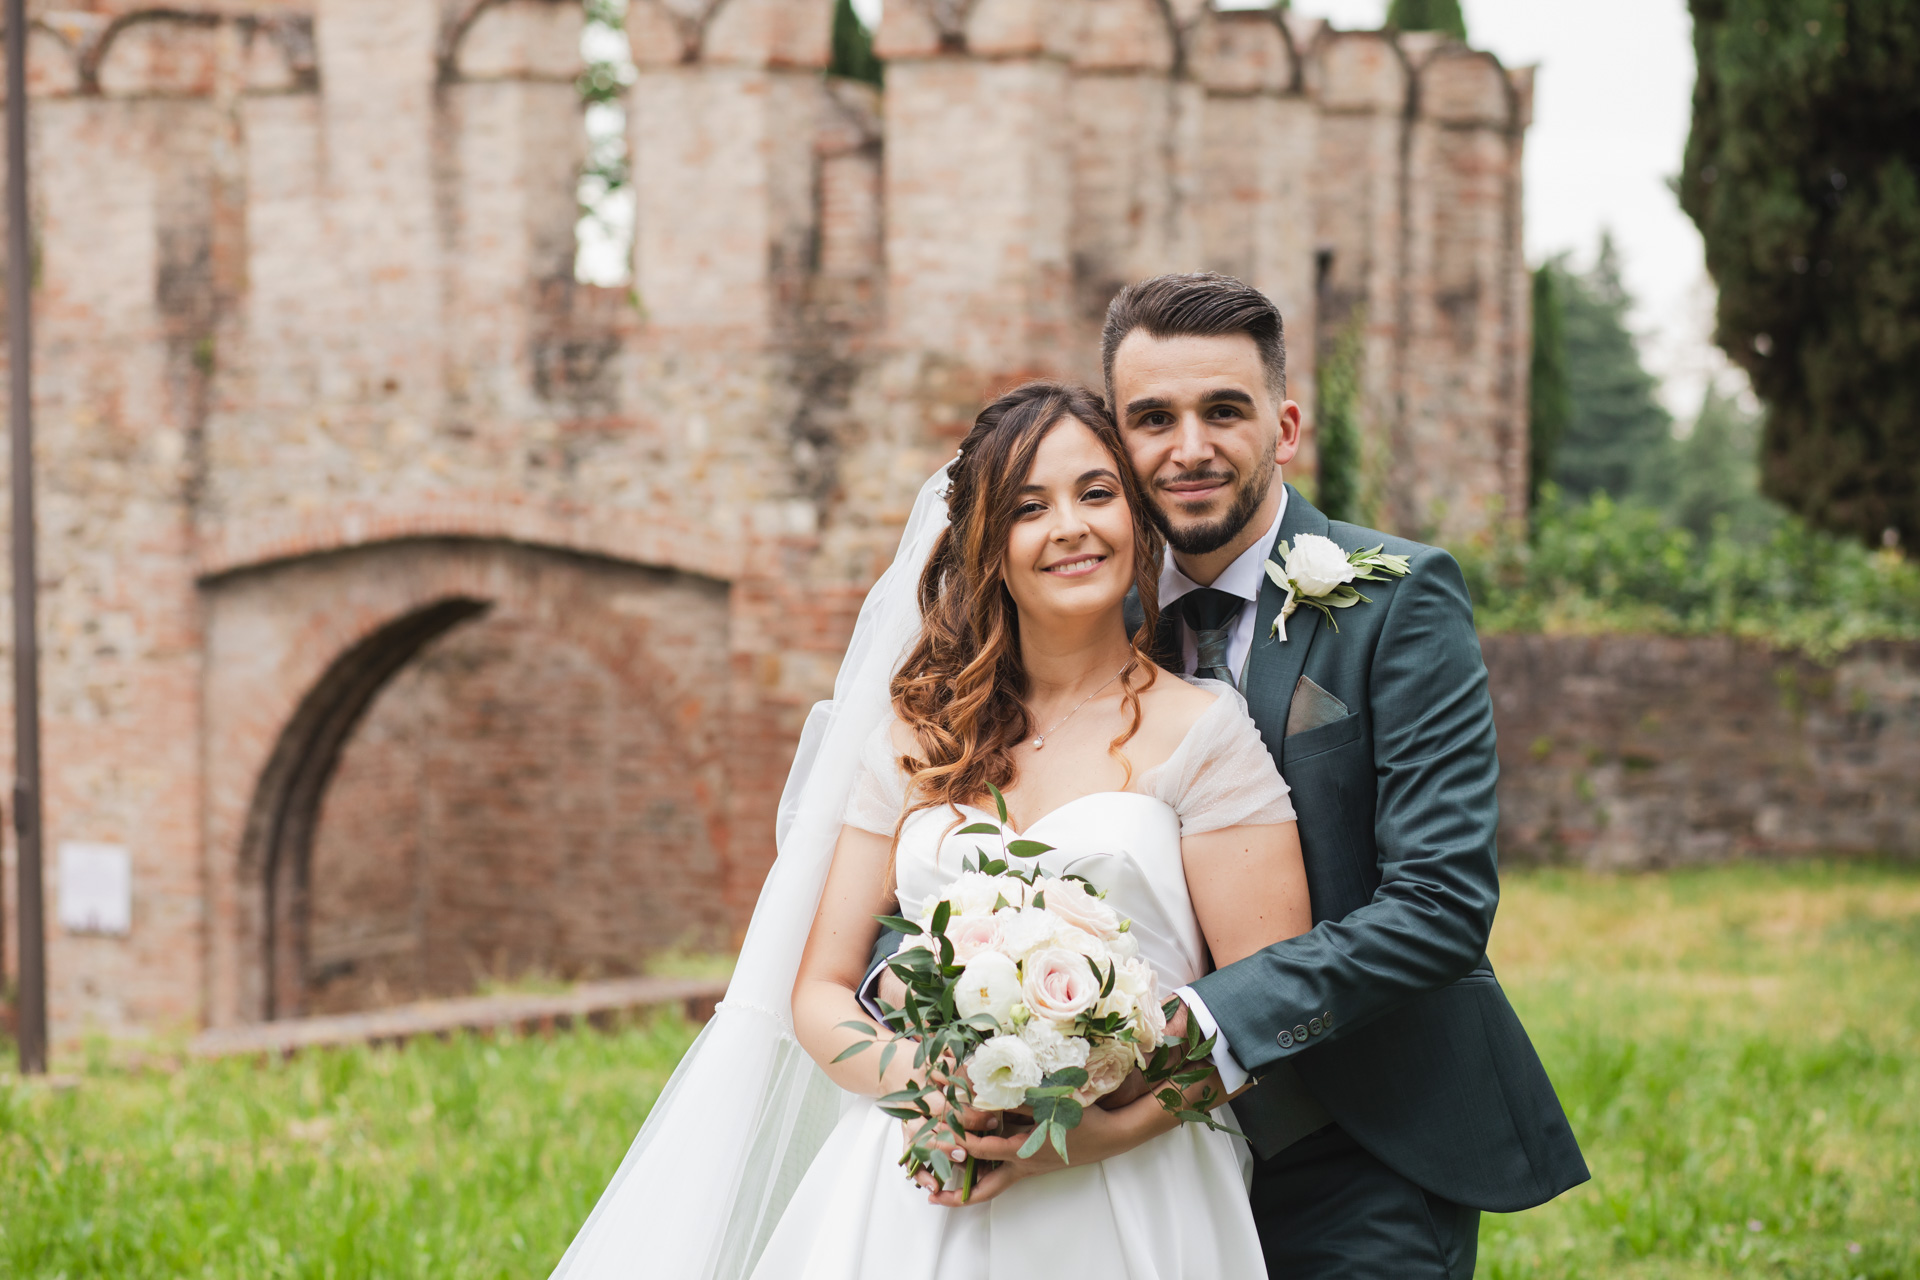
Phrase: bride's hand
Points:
(1100, 1135)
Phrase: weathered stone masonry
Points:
(412, 612)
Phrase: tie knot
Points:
(1208, 609)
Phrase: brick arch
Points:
(299, 652)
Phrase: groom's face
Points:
(1205, 432)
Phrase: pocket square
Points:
(1313, 707)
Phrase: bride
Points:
(994, 651)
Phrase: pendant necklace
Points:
(1040, 740)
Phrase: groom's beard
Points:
(1202, 539)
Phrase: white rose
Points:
(1109, 1062)
(1150, 1021)
(989, 984)
(1051, 1048)
(1123, 946)
(1074, 903)
(1024, 931)
(1317, 565)
(972, 894)
(1072, 939)
(1136, 978)
(1002, 1070)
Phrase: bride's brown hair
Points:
(963, 688)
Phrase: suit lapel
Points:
(1274, 667)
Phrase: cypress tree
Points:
(1617, 432)
(1803, 174)
(1428, 15)
(1550, 402)
(1337, 487)
(852, 52)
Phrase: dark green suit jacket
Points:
(1387, 1010)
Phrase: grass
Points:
(469, 1158)
(1739, 1050)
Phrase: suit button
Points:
(1315, 1026)
(1286, 1039)
(1300, 1032)
(1326, 1020)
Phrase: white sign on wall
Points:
(96, 888)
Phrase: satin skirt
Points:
(1174, 1208)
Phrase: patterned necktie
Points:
(1210, 615)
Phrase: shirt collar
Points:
(1241, 578)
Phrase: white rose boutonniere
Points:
(1316, 572)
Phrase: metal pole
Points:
(26, 649)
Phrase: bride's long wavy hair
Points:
(963, 688)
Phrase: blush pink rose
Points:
(971, 935)
(1057, 985)
(1110, 1062)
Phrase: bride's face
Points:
(1070, 551)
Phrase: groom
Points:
(1396, 1093)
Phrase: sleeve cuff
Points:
(869, 993)
(1232, 1075)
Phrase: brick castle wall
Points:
(342, 476)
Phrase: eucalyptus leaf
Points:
(1028, 848)
(999, 803)
(979, 829)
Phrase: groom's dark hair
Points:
(1200, 305)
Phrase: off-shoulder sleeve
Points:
(1223, 775)
(879, 788)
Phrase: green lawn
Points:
(1739, 1050)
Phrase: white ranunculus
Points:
(1051, 1047)
(989, 984)
(1026, 930)
(1002, 1070)
(1317, 565)
(1074, 903)
(1110, 1062)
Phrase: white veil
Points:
(746, 1111)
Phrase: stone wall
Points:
(1629, 752)
(323, 413)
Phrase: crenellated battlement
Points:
(317, 385)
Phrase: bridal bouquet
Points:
(1024, 991)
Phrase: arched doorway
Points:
(497, 761)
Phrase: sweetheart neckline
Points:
(1091, 795)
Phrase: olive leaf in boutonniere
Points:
(1316, 572)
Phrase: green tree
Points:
(1803, 174)
(1550, 402)
(852, 54)
(1617, 432)
(1428, 15)
(1337, 486)
(1710, 480)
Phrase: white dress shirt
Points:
(1243, 578)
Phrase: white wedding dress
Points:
(1174, 1208)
